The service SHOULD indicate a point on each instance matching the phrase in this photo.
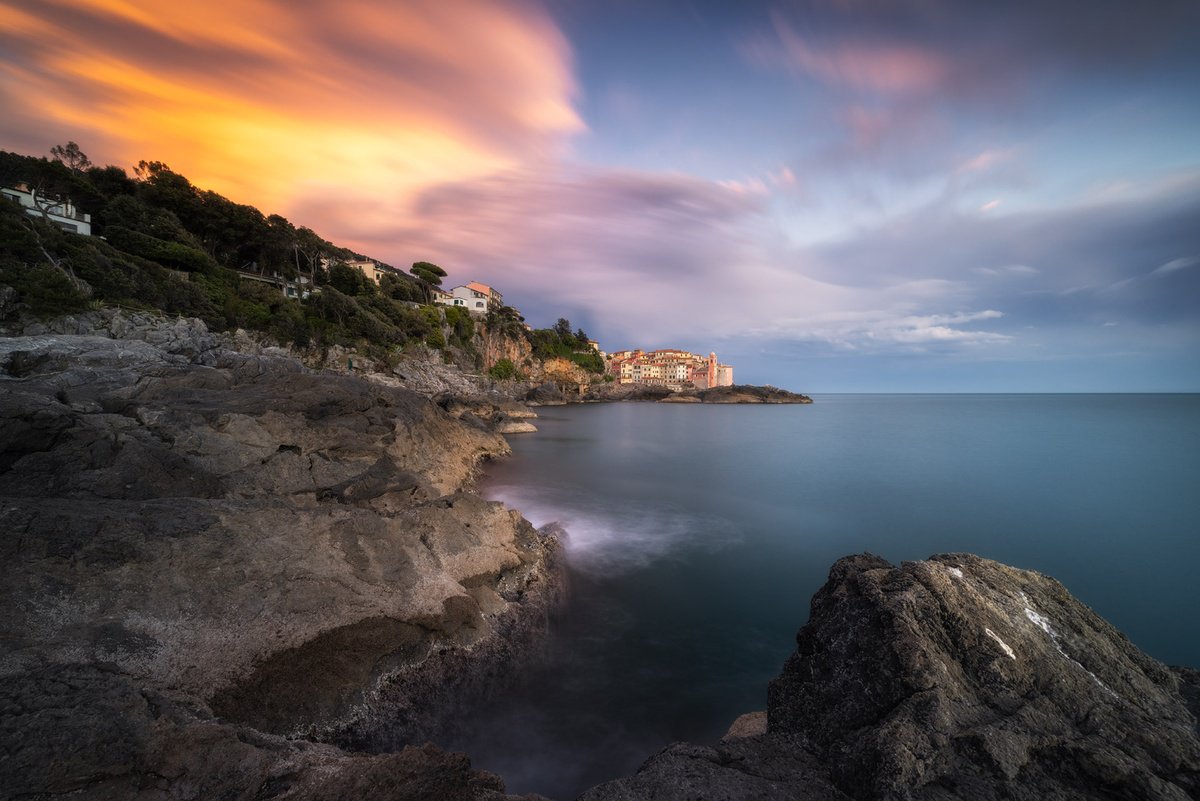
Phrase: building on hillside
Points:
(475, 297)
(494, 298)
(370, 268)
(59, 212)
(298, 288)
(442, 297)
(471, 299)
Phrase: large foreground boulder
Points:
(953, 678)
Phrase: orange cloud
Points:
(273, 102)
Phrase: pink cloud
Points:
(880, 66)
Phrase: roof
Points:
(478, 287)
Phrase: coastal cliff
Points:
(952, 678)
(218, 568)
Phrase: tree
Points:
(430, 275)
(70, 155)
(563, 328)
(346, 279)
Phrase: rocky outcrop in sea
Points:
(952, 678)
(738, 393)
(220, 571)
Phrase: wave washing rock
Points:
(953, 678)
(199, 561)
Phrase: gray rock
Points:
(954, 678)
(515, 427)
(291, 551)
(771, 768)
(748, 393)
(962, 677)
(180, 336)
(547, 394)
(751, 724)
(112, 739)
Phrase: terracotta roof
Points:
(478, 287)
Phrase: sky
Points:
(834, 195)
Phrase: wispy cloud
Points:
(890, 67)
(1175, 265)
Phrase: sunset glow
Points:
(257, 102)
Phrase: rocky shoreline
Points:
(214, 562)
(228, 575)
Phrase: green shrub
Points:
(503, 370)
(589, 361)
(45, 291)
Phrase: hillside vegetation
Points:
(161, 243)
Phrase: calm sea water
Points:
(698, 535)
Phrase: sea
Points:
(697, 535)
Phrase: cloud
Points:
(265, 99)
(915, 84)
(966, 52)
(645, 259)
(647, 252)
(885, 330)
(1006, 270)
(889, 67)
(1051, 267)
(1175, 265)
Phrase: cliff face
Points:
(953, 678)
(203, 550)
(495, 345)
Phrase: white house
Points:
(472, 299)
(494, 297)
(61, 213)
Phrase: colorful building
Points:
(669, 367)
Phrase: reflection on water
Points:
(697, 536)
